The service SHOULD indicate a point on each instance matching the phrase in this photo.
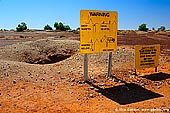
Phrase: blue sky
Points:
(38, 13)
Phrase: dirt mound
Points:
(44, 51)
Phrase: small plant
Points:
(153, 28)
(162, 28)
(61, 26)
(56, 26)
(21, 27)
(78, 28)
(143, 27)
(48, 27)
(67, 27)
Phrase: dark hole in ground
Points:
(58, 57)
(48, 60)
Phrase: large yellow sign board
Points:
(147, 56)
(98, 31)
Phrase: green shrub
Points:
(21, 27)
(48, 27)
(61, 26)
(162, 28)
(143, 27)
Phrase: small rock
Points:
(155, 84)
(72, 84)
(132, 76)
(111, 79)
(159, 87)
(132, 73)
(100, 94)
(58, 72)
(29, 74)
(92, 77)
(73, 79)
(115, 80)
(14, 82)
(43, 79)
(160, 83)
(80, 82)
(102, 84)
(14, 104)
(119, 81)
(142, 84)
(90, 71)
(91, 95)
(94, 80)
(62, 78)
(92, 88)
(163, 67)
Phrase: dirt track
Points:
(59, 87)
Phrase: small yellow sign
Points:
(147, 56)
(98, 31)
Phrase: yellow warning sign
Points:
(98, 31)
(147, 56)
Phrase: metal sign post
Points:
(85, 67)
(110, 64)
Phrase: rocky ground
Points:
(43, 72)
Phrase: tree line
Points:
(58, 26)
(143, 27)
(61, 27)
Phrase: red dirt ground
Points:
(59, 87)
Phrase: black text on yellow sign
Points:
(98, 31)
(147, 56)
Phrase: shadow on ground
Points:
(127, 93)
(157, 76)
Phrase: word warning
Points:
(147, 56)
(98, 31)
